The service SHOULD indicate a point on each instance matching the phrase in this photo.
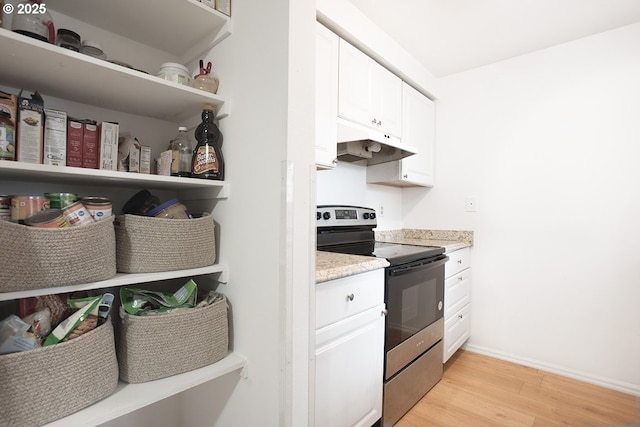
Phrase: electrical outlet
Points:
(471, 204)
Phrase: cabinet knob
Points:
(459, 316)
(406, 175)
(459, 261)
(379, 122)
(384, 312)
(350, 297)
(460, 278)
(374, 121)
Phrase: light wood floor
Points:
(478, 390)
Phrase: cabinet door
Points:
(349, 365)
(354, 85)
(458, 261)
(386, 105)
(326, 97)
(418, 130)
(456, 332)
(457, 292)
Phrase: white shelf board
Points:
(130, 397)
(20, 171)
(183, 28)
(51, 70)
(120, 279)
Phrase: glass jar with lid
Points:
(171, 209)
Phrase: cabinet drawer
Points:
(457, 292)
(458, 261)
(456, 331)
(344, 297)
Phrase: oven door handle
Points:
(427, 264)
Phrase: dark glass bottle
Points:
(207, 161)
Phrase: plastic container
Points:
(174, 72)
(181, 153)
(206, 82)
(68, 39)
(207, 157)
(171, 209)
(94, 49)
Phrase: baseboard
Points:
(621, 386)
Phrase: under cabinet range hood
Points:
(357, 142)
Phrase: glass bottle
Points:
(181, 153)
(207, 159)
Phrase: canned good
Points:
(48, 218)
(5, 208)
(60, 200)
(98, 207)
(23, 206)
(77, 214)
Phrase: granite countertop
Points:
(451, 240)
(331, 265)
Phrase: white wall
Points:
(347, 185)
(549, 143)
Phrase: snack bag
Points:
(141, 302)
(70, 323)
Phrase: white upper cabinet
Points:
(418, 130)
(327, 46)
(369, 94)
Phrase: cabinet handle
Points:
(379, 122)
(459, 316)
(374, 121)
(406, 176)
(350, 297)
(460, 278)
(384, 312)
(459, 261)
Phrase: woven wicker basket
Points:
(36, 258)
(159, 346)
(48, 383)
(148, 245)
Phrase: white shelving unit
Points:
(130, 397)
(120, 279)
(182, 28)
(27, 172)
(71, 75)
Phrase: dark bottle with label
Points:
(207, 161)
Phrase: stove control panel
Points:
(339, 215)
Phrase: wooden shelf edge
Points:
(131, 397)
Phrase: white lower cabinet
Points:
(457, 300)
(349, 350)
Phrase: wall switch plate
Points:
(471, 204)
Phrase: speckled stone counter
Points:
(331, 265)
(451, 240)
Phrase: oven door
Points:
(414, 294)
